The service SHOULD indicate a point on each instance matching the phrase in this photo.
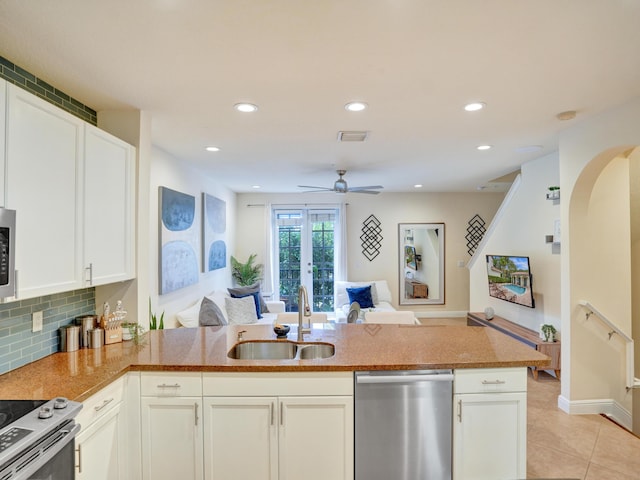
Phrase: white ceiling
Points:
(415, 62)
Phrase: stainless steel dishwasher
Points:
(403, 422)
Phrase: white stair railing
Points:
(631, 380)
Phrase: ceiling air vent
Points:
(352, 136)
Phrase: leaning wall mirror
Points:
(421, 259)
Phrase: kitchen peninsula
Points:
(181, 374)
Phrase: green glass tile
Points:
(13, 77)
(6, 63)
(25, 74)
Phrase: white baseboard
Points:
(441, 314)
(605, 406)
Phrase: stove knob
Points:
(60, 403)
(45, 412)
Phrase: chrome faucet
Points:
(303, 311)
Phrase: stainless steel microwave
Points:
(7, 253)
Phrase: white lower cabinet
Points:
(241, 438)
(171, 426)
(490, 424)
(278, 426)
(309, 425)
(101, 443)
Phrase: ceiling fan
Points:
(340, 186)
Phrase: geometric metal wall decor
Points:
(371, 237)
(475, 232)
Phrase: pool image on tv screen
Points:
(510, 279)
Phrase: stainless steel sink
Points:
(316, 350)
(280, 350)
(263, 350)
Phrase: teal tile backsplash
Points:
(20, 77)
(19, 345)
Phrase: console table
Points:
(415, 289)
(522, 334)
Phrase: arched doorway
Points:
(604, 269)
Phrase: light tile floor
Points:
(585, 447)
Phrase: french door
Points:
(305, 251)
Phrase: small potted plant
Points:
(548, 332)
(246, 273)
(554, 193)
(154, 324)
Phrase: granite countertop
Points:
(77, 375)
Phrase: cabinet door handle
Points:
(493, 382)
(272, 412)
(104, 404)
(196, 412)
(281, 414)
(90, 269)
(16, 289)
(164, 385)
(79, 465)
(460, 411)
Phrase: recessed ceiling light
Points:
(245, 107)
(355, 106)
(212, 149)
(474, 106)
(256, 186)
(417, 185)
(483, 147)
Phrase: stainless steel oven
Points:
(37, 439)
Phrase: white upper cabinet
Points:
(44, 146)
(72, 186)
(108, 208)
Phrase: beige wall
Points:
(520, 229)
(602, 277)
(170, 172)
(454, 209)
(586, 149)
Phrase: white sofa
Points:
(190, 316)
(380, 294)
(382, 310)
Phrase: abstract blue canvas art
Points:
(214, 226)
(178, 240)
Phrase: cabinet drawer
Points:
(277, 383)
(171, 384)
(99, 404)
(490, 380)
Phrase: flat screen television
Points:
(410, 257)
(510, 279)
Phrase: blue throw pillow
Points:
(362, 295)
(256, 299)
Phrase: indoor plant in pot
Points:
(246, 273)
(548, 332)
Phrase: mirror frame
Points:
(406, 272)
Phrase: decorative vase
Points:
(489, 313)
